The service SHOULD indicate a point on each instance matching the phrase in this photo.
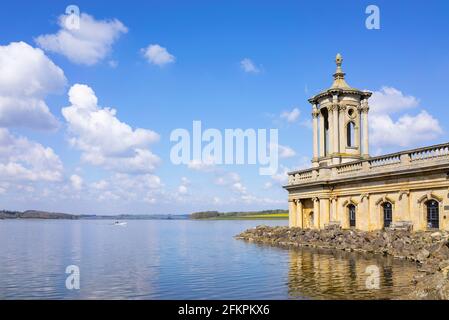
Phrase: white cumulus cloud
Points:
(226, 178)
(389, 100)
(25, 160)
(290, 116)
(207, 165)
(76, 181)
(88, 44)
(286, 152)
(100, 185)
(103, 139)
(405, 130)
(281, 176)
(155, 54)
(183, 187)
(239, 188)
(127, 187)
(27, 76)
(248, 66)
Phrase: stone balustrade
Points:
(385, 161)
(436, 152)
(349, 167)
(390, 162)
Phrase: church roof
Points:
(339, 85)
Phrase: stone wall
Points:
(408, 197)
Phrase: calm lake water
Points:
(179, 259)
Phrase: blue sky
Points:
(291, 46)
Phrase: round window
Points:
(351, 112)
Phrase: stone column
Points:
(364, 213)
(330, 121)
(321, 120)
(316, 213)
(336, 142)
(342, 111)
(365, 109)
(291, 213)
(358, 132)
(324, 212)
(315, 114)
(334, 216)
(299, 214)
(405, 206)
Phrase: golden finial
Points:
(339, 76)
(339, 58)
(339, 61)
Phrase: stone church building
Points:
(347, 187)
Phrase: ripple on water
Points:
(180, 260)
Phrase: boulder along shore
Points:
(430, 250)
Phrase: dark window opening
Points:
(388, 214)
(433, 214)
(351, 211)
(350, 134)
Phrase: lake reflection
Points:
(330, 274)
(178, 259)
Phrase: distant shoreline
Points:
(255, 217)
(278, 214)
(44, 215)
(208, 215)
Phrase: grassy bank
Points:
(254, 215)
(274, 216)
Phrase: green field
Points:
(248, 215)
(274, 216)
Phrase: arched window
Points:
(325, 115)
(351, 213)
(433, 214)
(350, 134)
(388, 214)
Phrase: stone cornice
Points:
(339, 91)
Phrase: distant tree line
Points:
(34, 214)
(216, 214)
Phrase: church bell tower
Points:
(340, 122)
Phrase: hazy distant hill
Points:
(35, 214)
(135, 217)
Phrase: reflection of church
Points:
(346, 186)
(327, 274)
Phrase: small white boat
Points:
(120, 223)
